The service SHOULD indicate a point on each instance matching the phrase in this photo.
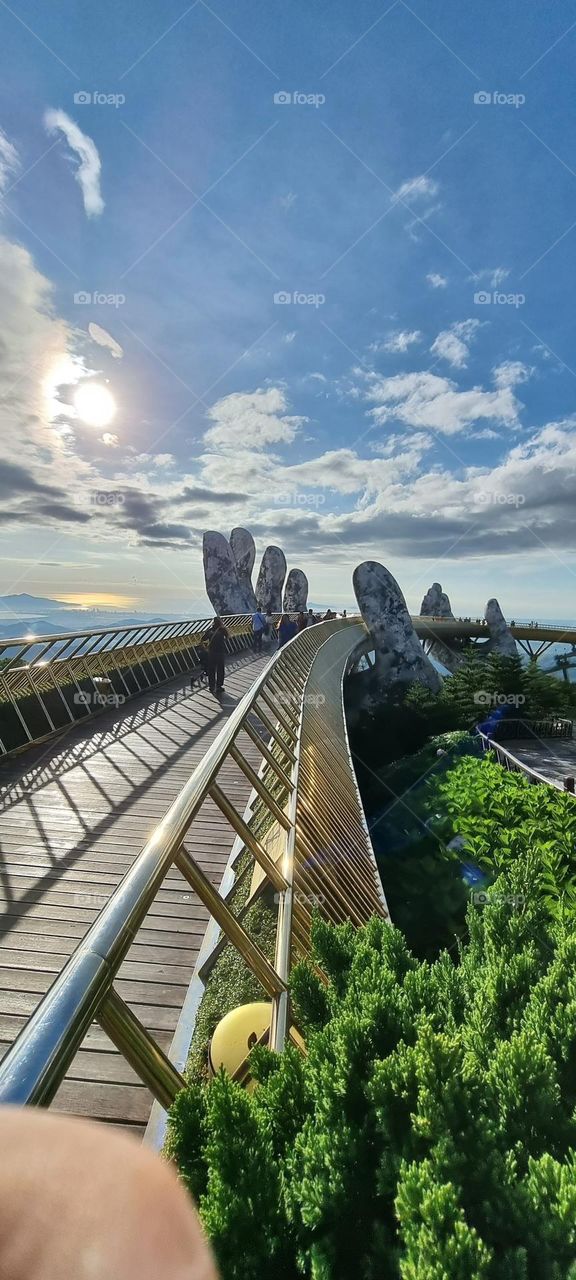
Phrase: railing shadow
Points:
(156, 735)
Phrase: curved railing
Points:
(48, 683)
(306, 834)
(514, 764)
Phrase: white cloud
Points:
(436, 281)
(252, 420)
(496, 275)
(289, 337)
(9, 162)
(453, 344)
(419, 188)
(511, 373)
(88, 172)
(105, 339)
(425, 400)
(400, 341)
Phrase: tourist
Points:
(269, 630)
(311, 619)
(258, 627)
(301, 622)
(286, 629)
(328, 616)
(217, 637)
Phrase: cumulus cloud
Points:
(105, 339)
(9, 162)
(453, 344)
(426, 400)
(400, 341)
(436, 281)
(511, 373)
(88, 172)
(252, 421)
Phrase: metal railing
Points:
(307, 836)
(547, 727)
(48, 683)
(514, 765)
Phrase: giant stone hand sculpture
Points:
(295, 592)
(228, 574)
(436, 604)
(501, 638)
(400, 658)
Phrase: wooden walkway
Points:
(73, 816)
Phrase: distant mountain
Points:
(24, 604)
(27, 615)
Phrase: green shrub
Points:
(500, 815)
(429, 1133)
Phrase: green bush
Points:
(499, 815)
(429, 1133)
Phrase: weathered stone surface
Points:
(244, 554)
(436, 604)
(271, 580)
(224, 591)
(295, 592)
(501, 638)
(400, 658)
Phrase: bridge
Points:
(131, 799)
(120, 831)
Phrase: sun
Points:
(94, 404)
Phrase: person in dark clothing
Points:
(301, 622)
(217, 637)
(286, 629)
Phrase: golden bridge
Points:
(130, 799)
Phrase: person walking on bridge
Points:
(217, 637)
(258, 628)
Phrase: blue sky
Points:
(412, 401)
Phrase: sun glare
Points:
(94, 404)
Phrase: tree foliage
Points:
(499, 815)
(429, 1133)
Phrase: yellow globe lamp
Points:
(237, 1033)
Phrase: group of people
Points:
(213, 651)
(263, 626)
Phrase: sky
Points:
(304, 268)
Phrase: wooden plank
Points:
(74, 814)
(150, 969)
(104, 1101)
